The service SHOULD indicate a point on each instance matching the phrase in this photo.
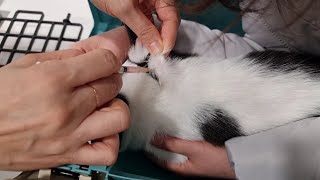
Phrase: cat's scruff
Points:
(203, 98)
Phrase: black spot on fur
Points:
(216, 126)
(123, 98)
(145, 61)
(286, 62)
(153, 75)
(143, 64)
(180, 56)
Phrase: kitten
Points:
(203, 98)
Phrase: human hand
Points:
(115, 40)
(50, 110)
(204, 159)
(137, 14)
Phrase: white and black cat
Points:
(203, 98)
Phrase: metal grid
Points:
(50, 40)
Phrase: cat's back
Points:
(260, 90)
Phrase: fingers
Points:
(115, 40)
(145, 30)
(91, 66)
(87, 98)
(174, 167)
(168, 14)
(101, 152)
(137, 15)
(112, 119)
(169, 35)
(32, 59)
(173, 144)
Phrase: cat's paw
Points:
(138, 53)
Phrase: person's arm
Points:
(53, 103)
(288, 152)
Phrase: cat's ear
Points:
(138, 53)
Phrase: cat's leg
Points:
(165, 155)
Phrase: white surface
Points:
(54, 10)
(8, 174)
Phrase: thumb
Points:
(146, 31)
(129, 12)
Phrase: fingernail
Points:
(155, 48)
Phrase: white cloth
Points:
(288, 152)
(270, 29)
